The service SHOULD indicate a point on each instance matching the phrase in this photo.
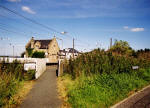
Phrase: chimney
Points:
(32, 42)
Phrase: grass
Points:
(13, 80)
(62, 83)
(23, 90)
(102, 90)
(13, 91)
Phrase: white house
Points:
(68, 53)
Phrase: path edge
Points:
(131, 96)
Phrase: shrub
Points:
(99, 62)
(102, 78)
(29, 75)
(29, 52)
(38, 54)
(11, 75)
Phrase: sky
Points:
(91, 22)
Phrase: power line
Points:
(11, 31)
(27, 25)
(2, 24)
(33, 21)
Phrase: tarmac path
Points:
(140, 99)
(44, 92)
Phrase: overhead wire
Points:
(31, 20)
(37, 23)
(23, 24)
(11, 31)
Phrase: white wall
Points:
(40, 67)
(30, 63)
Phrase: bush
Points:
(102, 79)
(29, 52)
(11, 76)
(29, 75)
(38, 54)
(99, 62)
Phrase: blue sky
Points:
(91, 22)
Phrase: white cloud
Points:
(125, 27)
(27, 9)
(14, 0)
(136, 29)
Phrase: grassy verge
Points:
(101, 90)
(22, 90)
(13, 83)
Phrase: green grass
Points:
(12, 77)
(8, 87)
(102, 91)
(101, 78)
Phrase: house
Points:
(49, 46)
(68, 53)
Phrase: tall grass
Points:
(104, 90)
(11, 77)
(101, 79)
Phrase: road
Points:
(44, 93)
(142, 103)
(140, 99)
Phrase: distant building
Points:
(49, 46)
(68, 53)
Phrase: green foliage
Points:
(29, 51)
(38, 54)
(121, 47)
(11, 76)
(22, 54)
(101, 91)
(29, 75)
(99, 62)
(102, 79)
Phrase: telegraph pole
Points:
(13, 50)
(73, 48)
(110, 42)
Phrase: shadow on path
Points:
(44, 92)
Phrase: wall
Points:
(60, 67)
(40, 64)
(40, 67)
(53, 51)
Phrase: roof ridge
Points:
(43, 39)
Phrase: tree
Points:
(29, 52)
(38, 54)
(22, 54)
(121, 47)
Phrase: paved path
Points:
(44, 93)
(139, 100)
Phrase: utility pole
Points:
(13, 50)
(73, 48)
(110, 42)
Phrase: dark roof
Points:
(62, 51)
(44, 43)
(71, 50)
